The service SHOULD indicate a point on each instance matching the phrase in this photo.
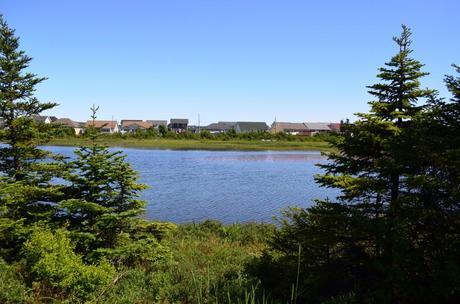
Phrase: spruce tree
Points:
(26, 191)
(366, 244)
(103, 202)
(374, 167)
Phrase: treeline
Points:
(164, 133)
(71, 230)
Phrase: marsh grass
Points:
(209, 264)
(312, 144)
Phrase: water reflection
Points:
(273, 157)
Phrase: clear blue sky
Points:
(228, 59)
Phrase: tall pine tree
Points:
(375, 241)
(26, 192)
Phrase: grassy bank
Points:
(203, 144)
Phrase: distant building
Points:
(77, 127)
(317, 127)
(194, 129)
(130, 126)
(220, 127)
(104, 126)
(157, 123)
(44, 119)
(250, 126)
(294, 128)
(335, 127)
(178, 125)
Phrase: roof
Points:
(129, 121)
(335, 126)
(251, 126)
(179, 120)
(221, 126)
(102, 124)
(40, 118)
(158, 122)
(136, 124)
(68, 122)
(318, 126)
(289, 126)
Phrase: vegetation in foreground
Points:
(70, 230)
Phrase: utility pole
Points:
(199, 123)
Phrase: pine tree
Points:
(103, 205)
(26, 191)
(368, 242)
(375, 168)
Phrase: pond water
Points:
(230, 186)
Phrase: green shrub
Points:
(12, 289)
(57, 271)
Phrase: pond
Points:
(229, 186)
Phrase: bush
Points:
(12, 289)
(57, 271)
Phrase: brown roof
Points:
(221, 126)
(335, 126)
(139, 123)
(68, 122)
(289, 126)
(102, 124)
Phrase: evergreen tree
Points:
(26, 191)
(102, 208)
(372, 165)
(380, 240)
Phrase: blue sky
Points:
(225, 60)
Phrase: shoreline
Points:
(207, 145)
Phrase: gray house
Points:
(157, 123)
(250, 126)
(317, 127)
(178, 125)
(293, 128)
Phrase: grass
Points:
(194, 144)
(208, 265)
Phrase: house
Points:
(317, 128)
(178, 125)
(194, 129)
(104, 126)
(250, 126)
(335, 127)
(134, 125)
(157, 123)
(77, 127)
(220, 127)
(293, 128)
(44, 119)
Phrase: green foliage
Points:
(56, 269)
(27, 194)
(102, 202)
(389, 236)
(12, 289)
